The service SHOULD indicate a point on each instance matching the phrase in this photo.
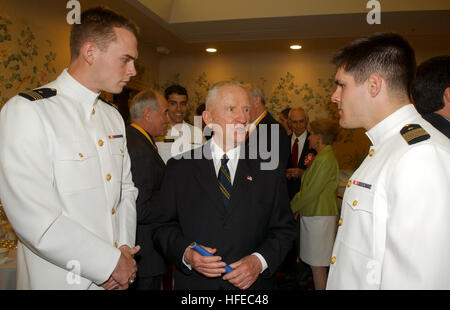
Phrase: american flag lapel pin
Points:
(250, 178)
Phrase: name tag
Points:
(115, 137)
(358, 183)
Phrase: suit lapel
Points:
(150, 146)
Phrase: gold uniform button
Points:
(121, 151)
(372, 151)
(81, 155)
(340, 221)
(93, 111)
(333, 260)
(355, 202)
(100, 142)
(113, 211)
(108, 177)
(115, 244)
(349, 183)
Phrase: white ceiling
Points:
(188, 26)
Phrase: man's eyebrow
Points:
(130, 57)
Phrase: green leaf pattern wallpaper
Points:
(351, 147)
(28, 61)
(25, 61)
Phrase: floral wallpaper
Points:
(24, 63)
(351, 146)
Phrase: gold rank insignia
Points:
(414, 133)
(37, 94)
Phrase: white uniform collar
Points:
(392, 124)
(77, 92)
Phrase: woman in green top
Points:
(316, 202)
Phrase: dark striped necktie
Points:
(225, 181)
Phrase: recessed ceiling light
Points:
(295, 47)
(211, 50)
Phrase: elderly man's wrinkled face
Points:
(229, 116)
(298, 121)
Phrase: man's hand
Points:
(110, 284)
(126, 268)
(294, 173)
(245, 272)
(209, 266)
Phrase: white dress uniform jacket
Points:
(394, 229)
(66, 186)
(179, 139)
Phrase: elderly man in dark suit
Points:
(218, 197)
(299, 143)
(267, 137)
(149, 119)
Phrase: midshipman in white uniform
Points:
(65, 180)
(394, 230)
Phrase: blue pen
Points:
(203, 252)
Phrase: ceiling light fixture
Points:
(211, 50)
(295, 47)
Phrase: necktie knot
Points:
(224, 160)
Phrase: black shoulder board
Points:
(37, 94)
(109, 103)
(414, 133)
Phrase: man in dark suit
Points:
(237, 211)
(265, 131)
(431, 92)
(299, 146)
(149, 118)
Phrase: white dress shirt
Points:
(301, 143)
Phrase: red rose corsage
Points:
(308, 159)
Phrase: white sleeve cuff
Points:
(262, 260)
(184, 261)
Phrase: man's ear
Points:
(447, 95)
(374, 84)
(88, 52)
(206, 115)
(147, 115)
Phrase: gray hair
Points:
(255, 91)
(299, 108)
(213, 92)
(146, 99)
